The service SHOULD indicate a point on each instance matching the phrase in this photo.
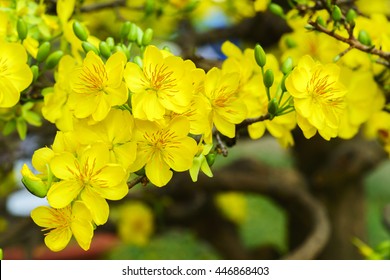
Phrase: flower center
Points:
(92, 79)
(160, 78)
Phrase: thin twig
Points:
(221, 147)
(250, 121)
(141, 179)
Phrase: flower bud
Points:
(104, 49)
(273, 107)
(351, 16)
(364, 38)
(133, 32)
(33, 183)
(210, 158)
(147, 37)
(138, 60)
(260, 56)
(140, 34)
(80, 31)
(110, 43)
(125, 29)
(336, 13)
(43, 51)
(287, 65)
(22, 29)
(87, 47)
(268, 78)
(320, 21)
(53, 59)
(35, 72)
(276, 10)
(290, 43)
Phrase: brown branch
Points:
(141, 179)
(250, 121)
(353, 42)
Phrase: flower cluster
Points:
(127, 109)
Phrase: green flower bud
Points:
(273, 107)
(309, 27)
(80, 31)
(290, 43)
(283, 83)
(351, 16)
(321, 21)
(364, 38)
(260, 57)
(53, 59)
(110, 43)
(43, 51)
(1, 254)
(268, 78)
(33, 183)
(336, 58)
(147, 37)
(133, 33)
(138, 60)
(22, 29)
(276, 10)
(104, 49)
(125, 29)
(140, 34)
(287, 65)
(336, 13)
(35, 71)
(211, 158)
(87, 47)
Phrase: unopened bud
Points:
(22, 29)
(211, 158)
(364, 38)
(287, 65)
(276, 10)
(133, 33)
(351, 16)
(33, 183)
(138, 60)
(80, 31)
(53, 59)
(104, 49)
(260, 56)
(87, 47)
(273, 107)
(321, 21)
(43, 51)
(140, 34)
(110, 43)
(268, 78)
(35, 71)
(125, 29)
(290, 43)
(147, 37)
(336, 13)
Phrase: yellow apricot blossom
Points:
(63, 223)
(227, 109)
(163, 83)
(162, 147)
(89, 176)
(15, 75)
(96, 87)
(319, 97)
(135, 224)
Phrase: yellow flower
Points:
(89, 176)
(96, 87)
(163, 83)
(363, 99)
(261, 5)
(233, 205)
(62, 223)
(318, 97)
(135, 224)
(114, 132)
(161, 148)
(15, 75)
(200, 162)
(227, 108)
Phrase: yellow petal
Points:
(97, 205)
(63, 193)
(56, 240)
(158, 171)
(64, 166)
